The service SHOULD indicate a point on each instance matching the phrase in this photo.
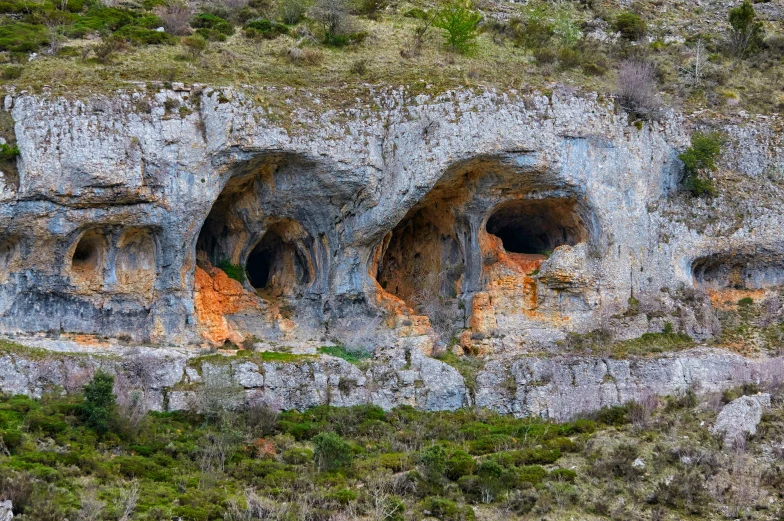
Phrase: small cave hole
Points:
(536, 227)
(87, 259)
(276, 265)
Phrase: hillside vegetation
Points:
(650, 54)
(88, 458)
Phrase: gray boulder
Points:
(740, 418)
(6, 510)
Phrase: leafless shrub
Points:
(257, 508)
(641, 410)
(380, 489)
(92, 507)
(636, 89)
(127, 499)
(262, 418)
(305, 56)
(292, 11)
(333, 15)
(414, 45)
(176, 18)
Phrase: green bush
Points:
(536, 456)
(266, 29)
(12, 72)
(631, 26)
(22, 37)
(746, 33)
(8, 152)
(196, 45)
(99, 407)
(699, 159)
(213, 23)
(447, 510)
(459, 464)
(566, 475)
(433, 460)
(332, 452)
(297, 456)
(233, 271)
(533, 474)
(143, 36)
(460, 24)
(617, 416)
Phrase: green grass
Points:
(354, 356)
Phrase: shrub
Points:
(332, 452)
(266, 29)
(459, 22)
(699, 159)
(12, 72)
(630, 25)
(143, 36)
(175, 17)
(196, 45)
(636, 89)
(746, 34)
(8, 152)
(370, 8)
(447, 510)
(99, 407)
(617, 416)
(233, 271)
(292, 11)
(212, 23)
(459, 464)
(297, 456)
(533, 474)
(433, 461)
(105, 50)
(22, 37)
(566, 475)
(333, 15)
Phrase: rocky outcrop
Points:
(375, 216)
(6, 510)
(740, 418)
(557, 388)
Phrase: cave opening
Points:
(278, 264)
(88, 258)
(536, 226)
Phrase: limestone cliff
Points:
(510, 219)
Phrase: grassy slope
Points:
(206, 467)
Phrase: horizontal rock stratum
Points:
(558, 388)
(200, 214)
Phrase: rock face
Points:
(740, 418)
(519, 217)
(6, 511)
(557, 388)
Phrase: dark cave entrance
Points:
(536, 226)
(276, 264)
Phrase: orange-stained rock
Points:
(215, 296)
(727, 298)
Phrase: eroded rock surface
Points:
(558, 388)
(520, 218)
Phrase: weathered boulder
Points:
(6, 510)
(740, 418)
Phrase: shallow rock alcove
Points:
(135, 265)
(88, 260)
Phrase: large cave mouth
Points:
(278, 264)
(536, 226)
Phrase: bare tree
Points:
(126, 502)
(333, 15)
(176, 18)
(636, 89)
(92, 507)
